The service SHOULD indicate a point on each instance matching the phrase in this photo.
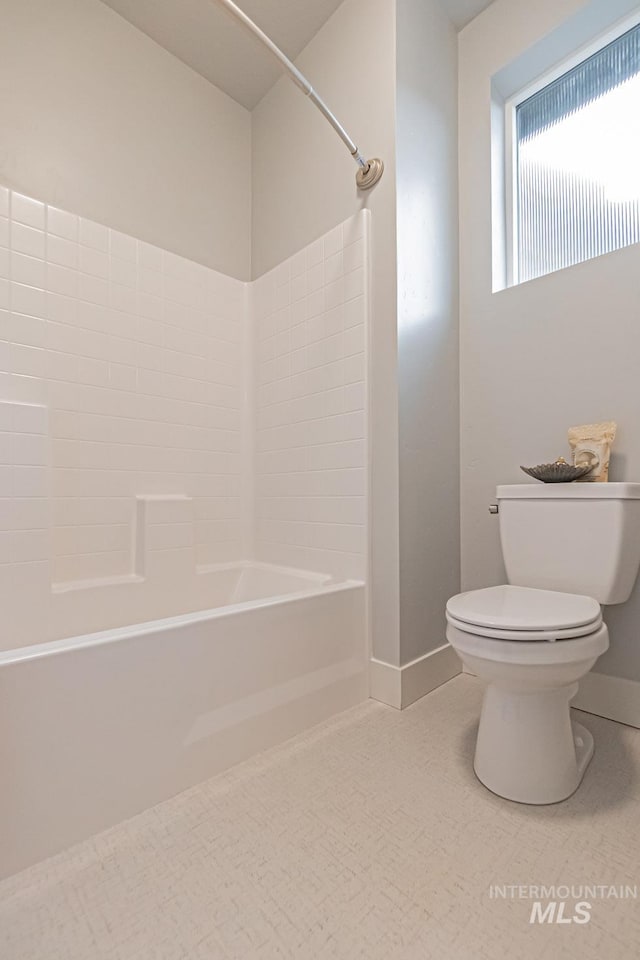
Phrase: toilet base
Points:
(528, 750)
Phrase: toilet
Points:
(569, 549)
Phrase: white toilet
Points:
(568, 549)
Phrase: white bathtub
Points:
(96, 728)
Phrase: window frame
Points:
(582, 53)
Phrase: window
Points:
(576, 161)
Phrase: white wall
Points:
(303, 186)
(542, 356)
(428, 381)
(98, 119)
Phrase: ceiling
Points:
(462, 11)
(205, 36)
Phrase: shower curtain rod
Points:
(369, 171)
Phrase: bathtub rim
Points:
(50, 648)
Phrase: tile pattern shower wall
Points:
(310, 327)
(137, 354)
(158, 418)
(24, 520)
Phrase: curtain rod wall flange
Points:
(368, 176)
(369, 171)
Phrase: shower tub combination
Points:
(139, 655)
(97, 728)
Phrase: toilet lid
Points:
(523, 609)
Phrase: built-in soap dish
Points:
(558, 472)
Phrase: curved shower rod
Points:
(369, 171)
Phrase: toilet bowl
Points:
(531, 647)
(568, 549)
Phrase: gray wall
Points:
(98, 119)
(428, 374)
(542, 356)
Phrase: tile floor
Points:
(367, 837)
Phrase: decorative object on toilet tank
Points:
(558, 472)
(591, 446)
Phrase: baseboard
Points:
(385, 683)
(612, 697)
(400, 686)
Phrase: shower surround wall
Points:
(127, 407)
(405, 112)
(311, 455)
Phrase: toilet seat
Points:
(515, 652)
(524, 614)
(526, 636)
(528, 747)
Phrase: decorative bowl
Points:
(558, 472)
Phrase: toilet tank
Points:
(574, 537)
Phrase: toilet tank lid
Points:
(523, 608)
(568, 491)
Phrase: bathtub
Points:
(99, 727)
